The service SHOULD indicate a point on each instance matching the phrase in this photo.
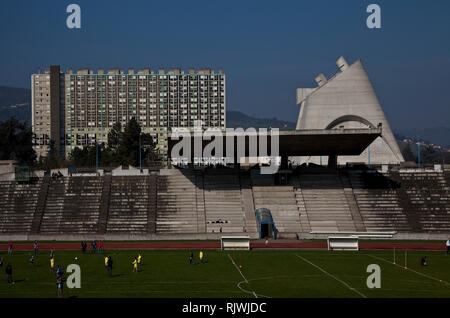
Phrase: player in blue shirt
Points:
(59, 271)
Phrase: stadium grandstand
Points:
(204, 203)
(355, 189)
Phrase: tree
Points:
(149, 148)
(122, 148)
(52, 160)
(408, 154)
(114, 136)
(78, 157)
(128, 150)
(91, 156)
(16, 142)
(429, 155)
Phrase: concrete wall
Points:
(399, 236)
(131, 171)
(116, 237)
(348, 93)
(7, 166)
(209, 236)
(7, 176)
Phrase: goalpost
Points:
(343, 243)
(235, 242)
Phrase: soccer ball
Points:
(76, 258)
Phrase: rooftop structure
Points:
(347, 100)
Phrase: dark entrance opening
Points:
(265, 231)
(265, 223)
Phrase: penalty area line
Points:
(245, 279)
(409, 269)
(332, 276)
(237, 268)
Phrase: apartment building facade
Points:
(76, 109)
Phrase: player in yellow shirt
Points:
(135, 265)
(52, 263)
(139, 259)
(106, 261)
(201, 256)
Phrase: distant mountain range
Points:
(237, 119)
(436, 135)
(17, 102)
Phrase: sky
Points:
(267, 49)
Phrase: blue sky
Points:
(266, 48)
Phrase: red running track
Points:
(216, 245)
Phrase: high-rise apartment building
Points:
(78, 109)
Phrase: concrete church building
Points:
(347, 100)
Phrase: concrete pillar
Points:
(284, 162)
(332, 161)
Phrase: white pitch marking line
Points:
(409, 269)
(245, 279)
(237, 268)
(250, 292)
(332, 276)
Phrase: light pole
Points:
(368, 150)
(140, 156)
(96, 154)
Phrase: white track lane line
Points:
(332, 276)
(409, 269)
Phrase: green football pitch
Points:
(256, 273)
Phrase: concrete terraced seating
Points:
(427, 196)
(325, 202)
(17, 206)
(128, 205)
(447, 179)
(177, 203)
(282, 203)
(248, 204)
(223, 202)
(378, 202)
(72, 206)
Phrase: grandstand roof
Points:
(303, 142)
